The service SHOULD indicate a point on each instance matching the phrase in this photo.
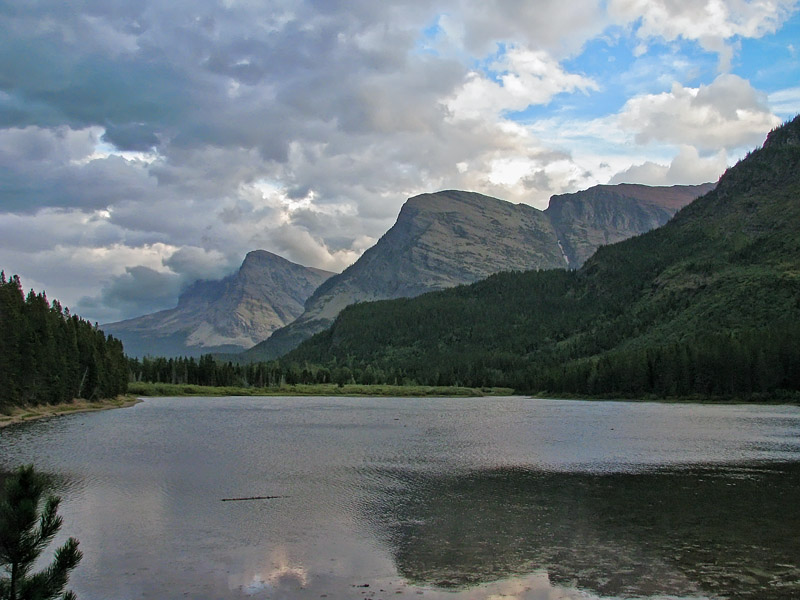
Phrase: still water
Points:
(438, 498)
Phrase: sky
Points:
(147, 144)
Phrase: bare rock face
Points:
(228, 315)
(606, 214)
(441, 240)
(452, 237)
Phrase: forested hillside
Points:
(48, 355)
(708, 304)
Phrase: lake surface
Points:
(438, 498)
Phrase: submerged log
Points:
(252, 498)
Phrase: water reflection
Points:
(278, 575)
(454, 499)
(732, 532)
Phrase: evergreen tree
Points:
(25, 531)
(48, 355)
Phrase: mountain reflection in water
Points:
(721, 531)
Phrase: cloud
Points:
(523, 78)
(131, 136)
(711, 23)
(786, 102)
(558, 27)
(728, 113)
(52, 227)
(76, 273)
(60, 167)
(192, 263)
(688, 167)
(139, 287)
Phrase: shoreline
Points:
(351, 390)
(779, 399)
(25, 414)
(165, 390)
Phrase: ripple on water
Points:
(466, 498)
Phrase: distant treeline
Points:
(207, 371)
(48, 355)
(744, 365)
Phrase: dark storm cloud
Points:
(138, 288)
(131, 136)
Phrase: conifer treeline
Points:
(207, 371)
(753, 364)
(48, 355)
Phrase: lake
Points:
(434, 498)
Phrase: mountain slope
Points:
(708, 303)
(452, 237)
(439, 240)
(606, 214)
(231, 314)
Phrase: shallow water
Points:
(450, 498)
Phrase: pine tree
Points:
(25, 531)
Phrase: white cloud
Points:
(712, 23)
(785, 103)
(308, 250)
(525, 77)
(71, 273)
(560, 28)
(728, 113)
(688, 167)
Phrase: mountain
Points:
(452, 237)
(227, 315)
(606, 214)
(707, 304)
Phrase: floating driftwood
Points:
(252, 498)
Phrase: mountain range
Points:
(227, 315)
(439, 240)
(707, 304)
(449, 238)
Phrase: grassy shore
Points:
(30, 413)
(322, 389)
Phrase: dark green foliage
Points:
(27, 526)
(209, 372)
(50, 356)
(708, 304)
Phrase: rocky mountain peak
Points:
(231, 314)
(258, 257)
